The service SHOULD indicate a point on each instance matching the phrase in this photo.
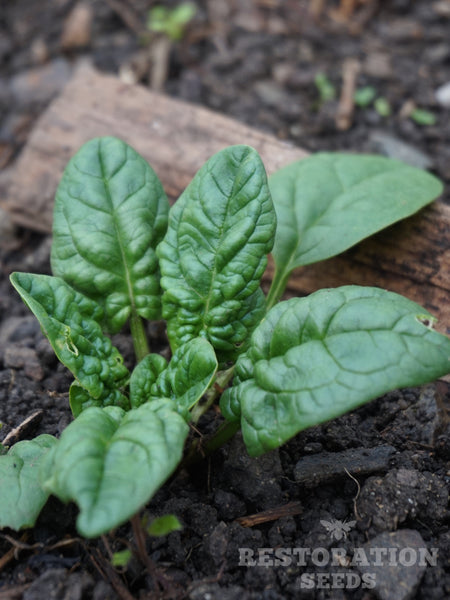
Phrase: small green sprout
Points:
(171, 22)
(326, 89)
(122, 558)
(364, 96)
(163, 526)
(423, 117)
(382, 107)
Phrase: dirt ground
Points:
(375, 478)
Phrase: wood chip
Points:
(288, 510)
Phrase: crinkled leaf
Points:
(22, 496)
(328, 202)
(214, 253)
(110, 213)
(185, 380)
(70, 322)
(111, 463)
(144, 376)
(189, 374)
(314, 358)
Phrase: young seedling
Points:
(167, 26)
(120, 256)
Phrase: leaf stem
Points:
(222, 380)
(222, 435)
(141, 347)
(277, 288)
(199, 451)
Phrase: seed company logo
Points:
(338, 529)
(340, 567)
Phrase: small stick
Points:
(7, 557)
(11, 554)
(109, 574)
(21, 431)
(13, 592)
(127, 15)
(288, 510)
(160, 55)
(344, 115)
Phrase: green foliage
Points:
(184, 380)
(363, 97)
(120, 256)
(111, 462)
(71, 323)
(122, 558)
(171, 22)
(22, 495)
(325, 88)
(313, 359)
(215, 252)
(382, 107)
(329, 202)
(110, 214)
(423, 117)
(163, 526)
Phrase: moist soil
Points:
(377, 477)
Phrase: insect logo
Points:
(338, 529)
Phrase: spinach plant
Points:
(120, 255)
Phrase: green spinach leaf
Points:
(144, 377)
(187, 377)
(111, 463)
(22, 496)
(314, 358)
(110, 214)
(214, 253)
(328, 202)
(71, 323)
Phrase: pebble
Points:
(22, 357)
(442, 8)
(213, 591)
(402, 493)
(13, 329)
(394, 580)
(40, 84)
(39, 51)
(77, 29)
(378, 64)
(387, 144)
(274, 97)
(442, 95)
(58, 583)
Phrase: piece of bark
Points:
(175, 137)
(411, 258)
(317, 469)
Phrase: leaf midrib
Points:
(127, 277)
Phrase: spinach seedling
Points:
(120, 255)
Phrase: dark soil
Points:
(384, 467)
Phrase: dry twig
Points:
(288, 510)
(344, 115)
